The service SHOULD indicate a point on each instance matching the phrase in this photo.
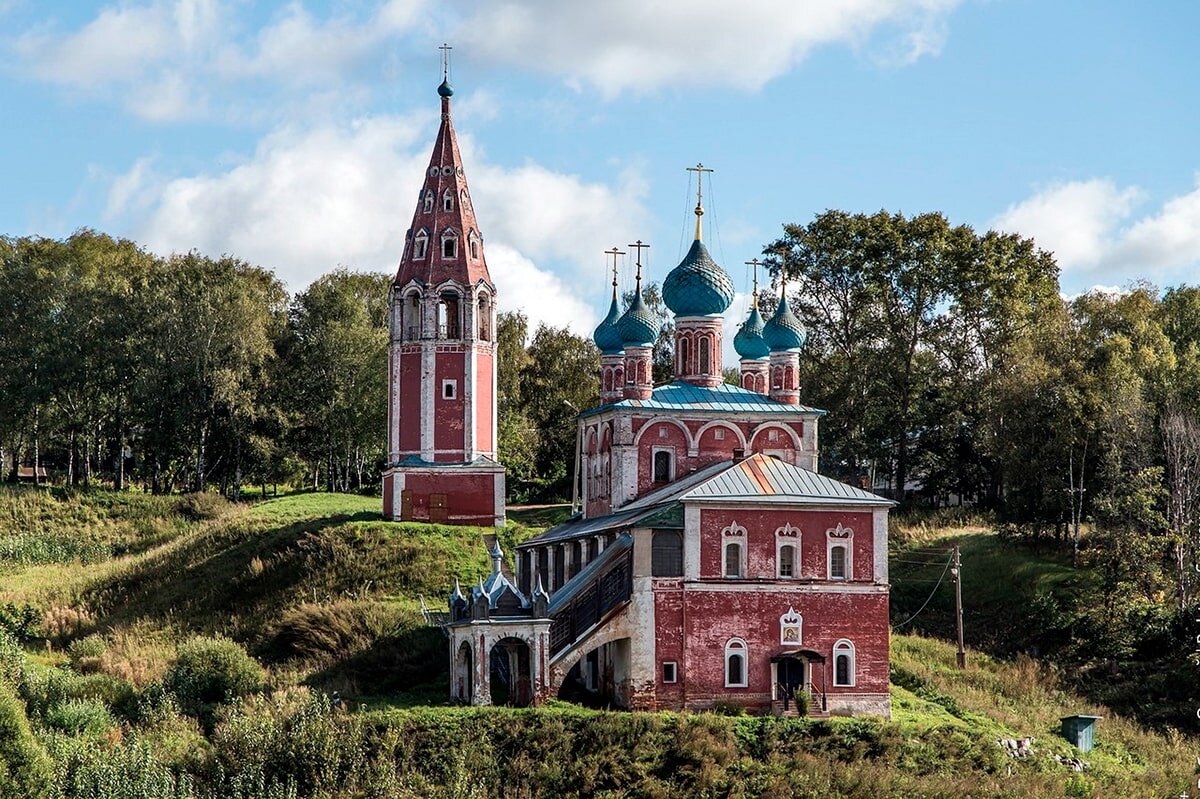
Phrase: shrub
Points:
(19, 621)
(24, 766)
(86, 652)
(12, 660)
(44, 687)
(202, 506)
(80, 717)
(211, 671)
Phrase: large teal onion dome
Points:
(638, 326)
(783, 331)
(607, 336)
(698, 286)
(749, 341)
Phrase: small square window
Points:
(662, 432)
(449, 389)
(772, 435)
(669, 671)
(719, 434)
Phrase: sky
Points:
(294, 135)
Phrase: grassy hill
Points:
(103, 590)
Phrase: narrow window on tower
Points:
(705, 366)
(448, 200)
(428, 201)
(485, 317)
(449, 248)
(663, 465)
(683, 356)
(449, 389)
(420, 244)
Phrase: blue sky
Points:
(294, 134)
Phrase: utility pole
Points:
(956, 572)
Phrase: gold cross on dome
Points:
(754, 262)
(445, 48)
(699, 169)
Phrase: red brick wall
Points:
(448, 429)
(760, 545)
(409, 410)
(470, 497)
(693, 628)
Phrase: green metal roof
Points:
(749, 342)
(638, 326)
(607, 336)
(784, 331)
(762, 478)
(680, 396)
(698, 286)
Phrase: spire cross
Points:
(445, 48)
(754, 262)
(615, 253)
(637, 245)
(699, 169)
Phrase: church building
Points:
(709, 563)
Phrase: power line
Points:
(928, 599)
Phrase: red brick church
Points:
(709, 563)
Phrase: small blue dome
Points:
(698, 286)
(783, 331)
(638, 325)
(749, 341)
(446, 90)
(607, 336)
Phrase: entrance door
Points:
(438, 513)
(791, 676)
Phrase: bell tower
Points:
(442, 355)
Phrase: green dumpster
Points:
(1080, 731)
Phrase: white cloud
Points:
(632, 45)
(310, 199)
(1092, 229)
(162, 58)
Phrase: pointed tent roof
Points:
(444, 174)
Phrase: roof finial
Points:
(445, 90)
(637, 245)
(614, 252)
(699, 169)
(754, 262)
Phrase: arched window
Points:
(837, 562)
(473, 242)
(735, 663)
(464, 201)
(843, 663)
(683, 357)
(705, 365)
(420, 244)
(733, 558)
(428, 201)
(448, 200)
(412, 316)
(787, 560)
(485, 318)
(666, 555)
(449, 247)
(448, 315)
(663, 465)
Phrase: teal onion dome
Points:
(445, 90)
(783, 331)
(698, 286)
(638, 326)
(749, 342)
(607, 336)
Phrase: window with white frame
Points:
(787, 560)
(449, 389)
(719, 434)
(449, 247)
(429, 201)
(664, 465)
(843, 664)
(448, 200)
(733, 551)
(670, 672)
(787, 551)
(839, 560)
(420, 244)
(735, 663)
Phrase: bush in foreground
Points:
(209, 672)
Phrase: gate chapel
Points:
(709, 561)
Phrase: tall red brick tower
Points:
(442, 358)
